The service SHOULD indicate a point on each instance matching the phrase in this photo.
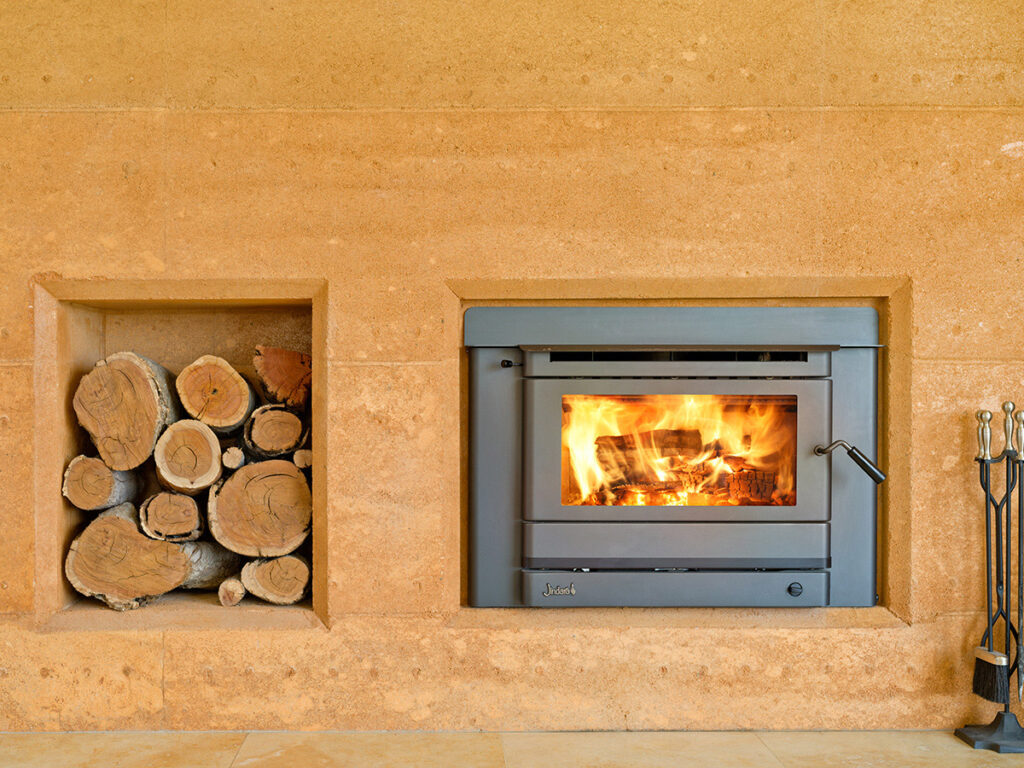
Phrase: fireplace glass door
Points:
(715, 450)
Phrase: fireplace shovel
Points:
(992, 668)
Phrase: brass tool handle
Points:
(1008, 407)
(984, 434)
(1019, 418)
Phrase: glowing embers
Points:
(679, 450)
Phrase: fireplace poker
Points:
(1019, 418)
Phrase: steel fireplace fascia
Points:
(498, 340)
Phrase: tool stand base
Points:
(1003, 734)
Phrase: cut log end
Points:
(273, 431)
(90, 484)
(123, 403)
(214, 393)
(281, 580)
(231, 591)
(303, 458)
(187, 457)
(113, 561)
(233, 458)
(262, 510)
(286, 375)
(171, 517)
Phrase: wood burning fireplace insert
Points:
(672, 456)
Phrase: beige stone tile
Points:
(393, 502)
(371, 750)
(124, 750)
(948, 538)
(635, 750)
(16, 518)
(529, 53)
(898, 749)
(67, 681)
(885, 52)
(930, 195)
(82, 54)
(80, 196)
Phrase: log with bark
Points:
(303, 458)
(171, 516)
(231, 591)
(262, 510)
(209, 563)
(280, 580)
(285, 375)
(214, 393)
(115, 562)
(622, 457)
(272, 431)
(233, 458)
(187, 457)
(124, 403)
(90, 484)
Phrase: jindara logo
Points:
(558, 589)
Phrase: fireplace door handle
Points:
(870, 468)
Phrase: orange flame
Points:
(677, 450)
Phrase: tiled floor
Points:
(872, 749)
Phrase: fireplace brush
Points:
(993, 667)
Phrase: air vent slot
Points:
(677, 356)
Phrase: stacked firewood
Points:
(220, 470)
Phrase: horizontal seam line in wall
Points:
(389, 362)
(15, 363)
(30, 109)
(970, 361)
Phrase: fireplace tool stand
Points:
(1004, 733)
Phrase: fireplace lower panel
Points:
(674, 545)
(657, 589)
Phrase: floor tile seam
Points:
(778, 759)
(234, 757)
(1016, 107)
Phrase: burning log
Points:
(214, 393)
(753, 485)
(171, 517)
(622, 456)
(272, 431)
(286, 376)
(90, 484)
(262, 510)
(123, 403)
(281, 581)
(187, 457)
(231, 591)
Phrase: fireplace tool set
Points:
(993, 663)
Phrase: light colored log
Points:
(171, 516)
(210, 564)
(124, 403)
(233, 458)
(280, 580)
(214, 393)
(285, 375)
(262, 510)
(231, 591)
(303, 458)
(90, 484)
(114, 561)
(272, 431)
(187, 457)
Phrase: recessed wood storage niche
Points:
(79, 323)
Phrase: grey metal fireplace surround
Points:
(540, 535)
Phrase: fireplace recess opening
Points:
(672, 456)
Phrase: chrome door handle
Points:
(870, 468)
